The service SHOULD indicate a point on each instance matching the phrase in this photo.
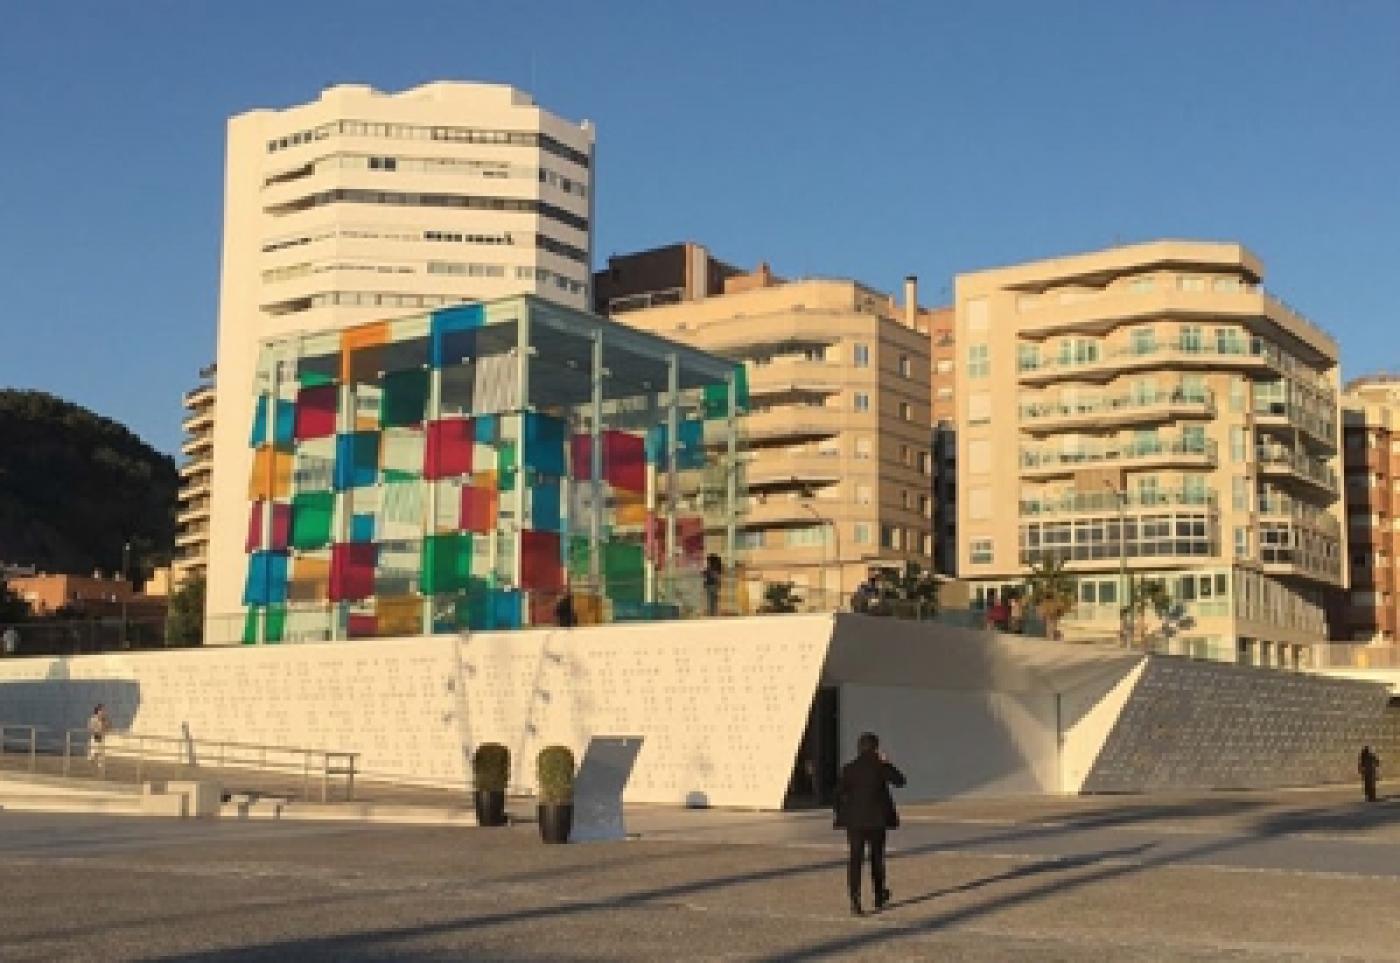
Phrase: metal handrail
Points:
(31, 743)
(227, 752)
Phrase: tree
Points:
(1147, 595)
(1050, 591)
(184, 625)
(779, 598)
(13, 608)
(908, 593)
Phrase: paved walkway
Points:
(1268, 876)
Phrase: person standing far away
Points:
(1369, 766)
(564, 610)
(865, 809)
(97, 726)
(713, 570)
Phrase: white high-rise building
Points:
(367, 205)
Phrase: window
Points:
(805, 537)
(905, 368)
(1190, 341)
(748, 539)
(1238, 439)
(862, 533)
(980, 552)
(978, 363)
(1142, 285)
(1027, 357)
(863, 494)
(906, 500)
(863, 448)
(944, 366)
(1144, 340)
(1193, 388)
(861, 402)
(1239, 486)
(1074, 351)
(1241, 542)
(906, 411)
(890, 537)
(926, 506)
(1225, 284)
(944, 393)
(383, 163)
(906, 455)
(926, 462)
(1237, 394)
(1026, 302)
(860, 355)
(927, 543)
(1189, 283)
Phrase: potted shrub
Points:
(555, 770)
(491, 773)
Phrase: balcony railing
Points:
(1299, 513)
(1124, 404)
(1102, 502)
(1296, 416)
(1252, 348)
(1157, 450)
(1298, 464)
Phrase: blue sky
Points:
(864, 139)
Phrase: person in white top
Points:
(97, 726)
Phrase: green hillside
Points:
(74, 486)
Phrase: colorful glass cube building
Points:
(466, 468)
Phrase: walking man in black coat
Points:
(1369, 766)
(865, 809)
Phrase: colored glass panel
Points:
(624, 571)
(715, 398)
(450, 445)
(544, 507)
(361, 626)
(352, 571)
(356, 460)
(361, 528)
(540, 566)
(359, 359)
(281, 525)
(252, 619)
(447, 563)
(404, 398)
(310, 580)
(271, 476)
(267, 579)
(312, 513)
(275, 623)
(578, 557)
(488, 429)
(581, 457)
(453, 335)
(544, 443)
(398, 616)
(316, 412)
(479, 506)
(286, 420)
(624, 461)
(629, 509)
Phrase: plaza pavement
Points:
(1239, 876)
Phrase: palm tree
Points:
(1050, 591)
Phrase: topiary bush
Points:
(555, 770)
(491, 767)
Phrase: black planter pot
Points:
(555, 821)
(490, 807)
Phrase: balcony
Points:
(1099, 503)
(794, 469)
(1314, 427)
(794, 423)
(1164, 453)
(1300, 514)
(199, 397)
(791, 375)
(195, 535)
(1125, 409)
(779, 511)
(1245, 354)
(1295, 466)
(198, 444)
(199, 421)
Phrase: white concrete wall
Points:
(1087, 715)
(721, 705)
(952, 743)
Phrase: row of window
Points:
(410, 199)
(457, 166)
(362, 299)
(891, 537)
(542, 241)
(455, 135)
(1138, 285)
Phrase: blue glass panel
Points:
(544, 443)
(267, 579)
(544, 507)
(356, 460)
(361, 528)
(453, 334)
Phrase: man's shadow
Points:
(1025, 872)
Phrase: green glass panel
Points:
(715, 397)
(578, 557)
(623, 570)
(447, 562)
(250, 627)
(404, 398)
(275, 624)
(313, 379)
(392, 475)
(311, 519)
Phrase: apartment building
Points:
(365, 205)
(840, 470)
(944, 382)
(1371, 455)
(191, 558)
(1149, 411)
